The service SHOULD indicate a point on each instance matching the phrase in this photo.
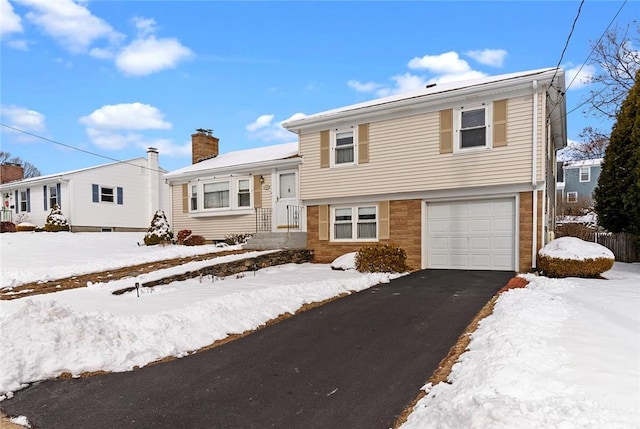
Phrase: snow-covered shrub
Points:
(194, 240)
(381, 258)
(344, 262)
(182, 235)
(56, 221)
(573, 257)
(26, 226)
(233, 239)
(159, 232)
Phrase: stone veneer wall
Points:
(278, 257)
(526, 229)
(404, 231)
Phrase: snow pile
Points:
(345, 262)
(576, 249)
(560, 353)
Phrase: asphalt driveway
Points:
(353, 363)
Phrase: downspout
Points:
(534, 177)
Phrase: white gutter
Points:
(177, 177)
(534, 176)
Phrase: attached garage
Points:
(473, 234)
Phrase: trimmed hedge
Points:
(559, 267)
(194, 240)
(7, 227)
(26, 227)
(381, 258)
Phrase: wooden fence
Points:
(623, 245)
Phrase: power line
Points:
(77, 148)
(566, 44)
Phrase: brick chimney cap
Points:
(206, 131)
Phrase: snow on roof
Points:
(575, 248)
(67, 173)
(241, 158)
(428, 90)
(583, 163)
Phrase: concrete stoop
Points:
(277, 240)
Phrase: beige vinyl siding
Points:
(216, 227)
(404, 156)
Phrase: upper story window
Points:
(585, 174)
(221, 195)
(355, 223)
(472, 128)
(343, 147)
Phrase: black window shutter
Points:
(44, 193)
(29, 200)
(120, 195)
(96, 193)
(58, 195)
(16, 202)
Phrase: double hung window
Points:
(53, 196)
(25, 203)
(216, 195)
(585, 174)
(572, 197)
(244, 193)
(355, 223)
(220, 195)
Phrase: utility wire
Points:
(77, 148)
(566, 44)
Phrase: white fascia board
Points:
(419, 103)
(244, 169)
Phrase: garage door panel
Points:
(475, 234)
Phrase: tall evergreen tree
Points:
(617, 196)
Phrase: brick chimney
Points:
(203, 145)
(11, 172)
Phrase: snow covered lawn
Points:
(561, 353)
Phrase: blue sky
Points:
(116, 77)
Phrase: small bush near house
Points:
(182, 235)
(56, 221)
(194, 240)
(233, 239)
(159, 232)
(7, 227)
(381, 258)
(582, 231)
(573, 257)
(25, 226)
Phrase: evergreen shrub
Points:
(56, 221)
(381, 258)
(159, 232)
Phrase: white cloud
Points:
(579, 77)
(151, 55)
(70, 23)
(20, 45)
(363, 87)
(114, 126)
(145, 26)
(23, 118)
(10, 22)
(166, 147)
(264, 129)
(489, 57)
(126, 116)
(447, 63)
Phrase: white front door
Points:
(287, 195)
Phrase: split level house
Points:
(461, 175)
(120, 196)
(240, 192)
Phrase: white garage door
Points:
(477, 234)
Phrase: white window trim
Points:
(233, 208)
(50, 198)
(588, 170)
(457, 126)
(332, 150)
(354, 224)
(572, 194)
(26, 199)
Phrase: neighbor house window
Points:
(216, 195)
(472, 128)
(244, 193)
(53, 196)
(194, 197)
(24, 201)
(107, 194)
(343, 147)
(355, 223)
(572, 197)
(585, 174)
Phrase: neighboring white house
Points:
(120, 196)
(241, 192)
